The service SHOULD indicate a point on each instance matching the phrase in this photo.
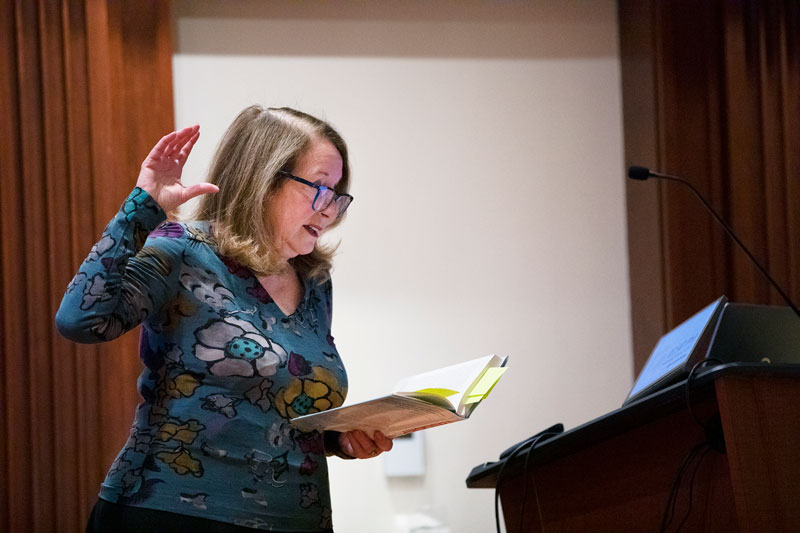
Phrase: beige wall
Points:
(486, 146)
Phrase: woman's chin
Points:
(298, 251)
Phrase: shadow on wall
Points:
(470, 29)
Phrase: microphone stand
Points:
(642, 173)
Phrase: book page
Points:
(456, 378)
(392, 415)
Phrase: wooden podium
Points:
(615, 473)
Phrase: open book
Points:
(426, 400)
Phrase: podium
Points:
(616, 472)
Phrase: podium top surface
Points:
(631, 415)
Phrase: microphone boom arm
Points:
(638, 173)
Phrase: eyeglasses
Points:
(325, 195)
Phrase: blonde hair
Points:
(257, 145)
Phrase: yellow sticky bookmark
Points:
(487, 381)
(485, 384)
(444, 393)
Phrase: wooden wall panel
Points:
(85, 91)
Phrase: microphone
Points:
(643, 173)
(640, 173)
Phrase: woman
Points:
(236, 312)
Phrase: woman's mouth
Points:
(314, 231)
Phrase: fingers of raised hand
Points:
(180, 147)
(186, 149)
(162, 145)
(198, 189)
(175, 147)
(161, 171)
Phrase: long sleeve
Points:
(225, 371)
(126, 277)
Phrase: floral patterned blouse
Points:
(224, 372)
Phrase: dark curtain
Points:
(85, 91)
(711, 92)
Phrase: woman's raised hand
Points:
(161, 170)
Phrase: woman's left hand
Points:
(357, 444)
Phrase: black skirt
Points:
(110, 517)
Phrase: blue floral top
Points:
(225, 371)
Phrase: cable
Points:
(714, 440)
(532, 441)
(497, 483)
(691, 487)
(535, 491)
(669, 511)
(688, 390)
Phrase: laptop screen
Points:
(675, 349)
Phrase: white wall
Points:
(486, 145)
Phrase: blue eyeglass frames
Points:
(324, 197)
